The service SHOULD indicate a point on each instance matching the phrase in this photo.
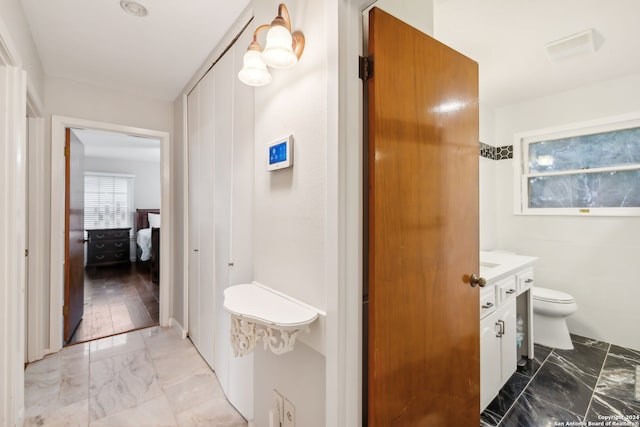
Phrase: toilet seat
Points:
(551, 295)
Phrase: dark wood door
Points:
(423, 348)
(74, 235)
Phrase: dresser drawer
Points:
(108, 257)
(115, 234)
(108, 245)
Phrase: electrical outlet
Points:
(289, 414)
(278, 403)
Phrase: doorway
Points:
(59, 126)
(113, 191)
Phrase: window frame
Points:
(521, 162)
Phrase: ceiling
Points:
(112, 145)
(97, 43)
(507, 39)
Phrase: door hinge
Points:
(26, 252)
(366, 67)
(65, 310)
(66, 151)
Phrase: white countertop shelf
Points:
(496, 265)
(260, 313)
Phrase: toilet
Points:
(550, 311)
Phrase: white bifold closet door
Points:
(221, 167)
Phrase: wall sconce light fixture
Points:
(282, 50)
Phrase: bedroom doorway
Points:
(113, 196)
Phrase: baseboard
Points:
(173, 323)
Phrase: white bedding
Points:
(144, 241)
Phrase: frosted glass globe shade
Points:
(254, 72)
(278, 51)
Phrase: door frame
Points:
(58, 126)
(12, 334)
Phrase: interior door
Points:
(194, 214)
(74, 234)
(423, 347)
(202, 323)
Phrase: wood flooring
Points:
(117, 299)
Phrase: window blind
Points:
(108, 201)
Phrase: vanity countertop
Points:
(496, 265)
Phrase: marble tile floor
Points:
(145, 378)
(590, 385)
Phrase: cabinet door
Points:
(509, 356)
(490, 353)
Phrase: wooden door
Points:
(74, 235)
(423, 344)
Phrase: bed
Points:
(148, 241)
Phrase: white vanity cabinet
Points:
(506, 297)
(497, 350)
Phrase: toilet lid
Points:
(551, 295)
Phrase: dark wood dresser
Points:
(108, 246)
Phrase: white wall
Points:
(290, 205)
(593, 258)
(418, 13)
(487, 182)
(13, 26)
(83, 101)
(147, 182)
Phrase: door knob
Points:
(476, 280)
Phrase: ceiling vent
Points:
(133, 8)
(573, 45)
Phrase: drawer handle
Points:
(118, 255)
(99, 236)
(500, 324)
(118, 244)
(488, 305)
(511, 291)
(99, 256)
(99, 245)
(528, 281)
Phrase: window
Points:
(108, 200)
(587, 168)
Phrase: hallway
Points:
(149, 377)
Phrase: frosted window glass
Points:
(606, 149)
(586, 190)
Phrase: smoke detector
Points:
(573, 45)
(133, 8)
